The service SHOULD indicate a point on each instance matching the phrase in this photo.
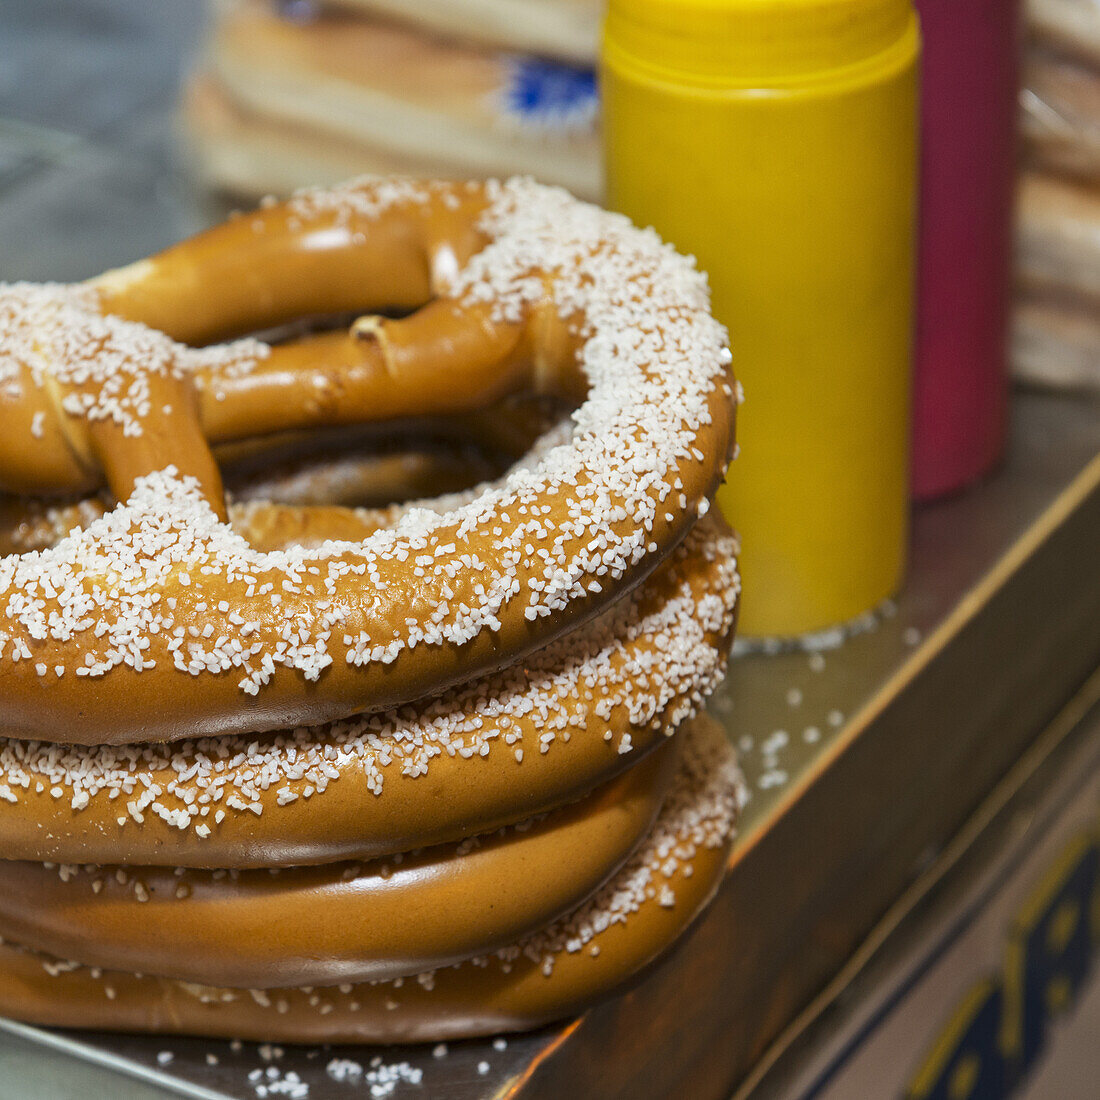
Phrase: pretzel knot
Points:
(155, 622)
(196, 687)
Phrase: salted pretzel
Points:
(341, 922)
(275, 764)
(483, 755)
(157, 622)
(557, 970)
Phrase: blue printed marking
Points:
(548, 94)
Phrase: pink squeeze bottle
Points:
(968, 175)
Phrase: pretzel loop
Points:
(535, 292)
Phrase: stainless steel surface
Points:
(91, 176)
(31, 1068)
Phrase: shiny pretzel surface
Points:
(277, 764)
(162, 605)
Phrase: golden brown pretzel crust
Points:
(462, 1003)
(560, 970)
(343, 922)
(489, 754)
(532, 290)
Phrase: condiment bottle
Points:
(968, 174)
(776, 140)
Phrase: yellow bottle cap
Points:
(739, 42)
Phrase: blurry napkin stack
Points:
(1057, 329)
(300, 92)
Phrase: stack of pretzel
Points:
(277, 767)
(301, 91)
(1057, 338)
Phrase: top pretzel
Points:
(157, 621)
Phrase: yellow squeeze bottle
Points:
(776, 140)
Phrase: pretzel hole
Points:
(373, 468)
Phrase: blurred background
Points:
(91, 173)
